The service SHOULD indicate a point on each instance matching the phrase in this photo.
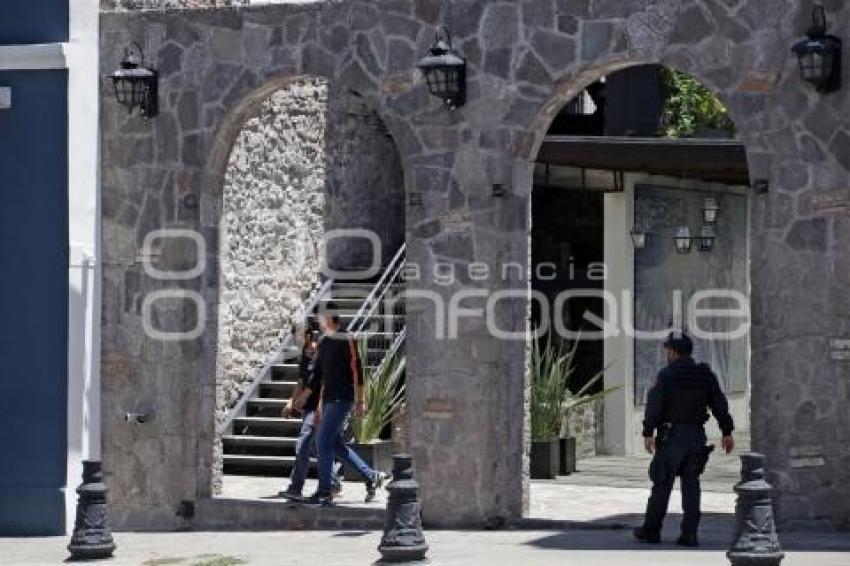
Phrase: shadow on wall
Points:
(364, 183)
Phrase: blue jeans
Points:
(303, 449)
(330, 443)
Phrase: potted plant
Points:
(548, 382)
(551, 400)
(384, 392)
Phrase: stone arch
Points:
(569, 86)
(359, 183)
(566, 90)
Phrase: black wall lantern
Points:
(136, 86)
(706, 238)
(638, 238)
(820, 55)
(683, 240)
(710, 210)
(445, 71)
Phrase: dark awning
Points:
(712, 160)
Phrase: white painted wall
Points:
(622, 418)
(619, 350)
(84, 273)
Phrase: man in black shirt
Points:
(677, 410)
(338, 378)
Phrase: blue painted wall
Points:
(33, 303)
(33, 21)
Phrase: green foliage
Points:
(689, 107)
(384, 390)
(551, 398)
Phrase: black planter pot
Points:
(545, 459)
(378, 454)
(567, 448)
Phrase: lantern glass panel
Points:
(453, 85)
(706, 239)
(812, 66)
(710, 210)
(683, 240)
(436, 80)
(122, 92)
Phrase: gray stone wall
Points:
(526, 60)
(581, 423)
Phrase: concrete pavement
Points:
(448, 548)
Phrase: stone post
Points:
(92, 538)
(755, 542)
(403, 540)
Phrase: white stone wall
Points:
(273, 222)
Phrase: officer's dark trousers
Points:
(677, 454)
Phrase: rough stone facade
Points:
(581, 424)
(526, 60)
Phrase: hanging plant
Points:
(690, 108)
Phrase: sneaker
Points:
(688, 540)
(374, 484)
(290, 494)
(320, 500)
(645, 536)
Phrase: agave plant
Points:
(551, 398)
(384, 389)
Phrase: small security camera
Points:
(137, 418)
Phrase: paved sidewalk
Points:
(448, 548)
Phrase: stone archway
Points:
(524, 60)
(313, 159)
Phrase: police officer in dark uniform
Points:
(673, 429)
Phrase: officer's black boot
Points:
(649, 537)
(688, 539)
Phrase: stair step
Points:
(277, 389)
(351, 302)
(244, 440)
(259, 461)
(277, 423)
(285, 372)
(268, 403)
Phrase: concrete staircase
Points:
(261, 441)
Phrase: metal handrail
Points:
(276, 356)
(369, 305)
(374, 305)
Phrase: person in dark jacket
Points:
(307, 337)
(337, 377)
(673, 429)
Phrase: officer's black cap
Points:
(679, 342)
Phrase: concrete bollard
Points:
(403, 540)
(756, 542)
(92, 538)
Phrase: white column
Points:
(619, 350)
(84, 275)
